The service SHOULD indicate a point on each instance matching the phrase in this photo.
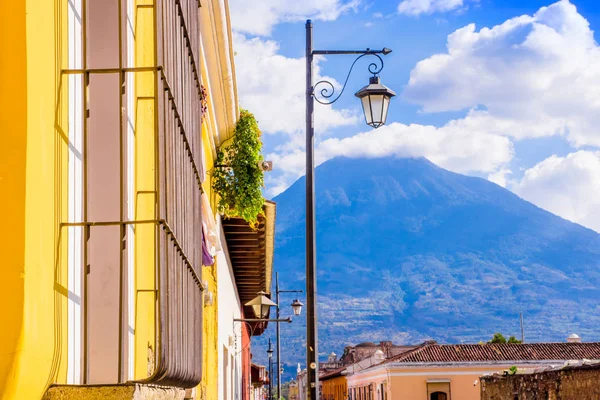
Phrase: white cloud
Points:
(500, 177)
(272, 86)
(531, 76)
(566, 186)
(259, 17)
(447, 147)
(418, 7)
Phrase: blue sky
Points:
(508, 90)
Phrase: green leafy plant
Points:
(499, 338)
(238, 177)
(512, 370)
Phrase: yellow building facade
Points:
(110, 114)
(334, 386)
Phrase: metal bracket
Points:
(329, 90)
(288, 320)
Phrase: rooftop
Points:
(332, 374)
(434, 352)
(250, 250)
(367, 344)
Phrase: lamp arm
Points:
(329, 90)
(288, 320)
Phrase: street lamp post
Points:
(260, 306)
(375, 100)
(297, 307)
(270, 354)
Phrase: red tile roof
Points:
(332, 374)
(432, 352)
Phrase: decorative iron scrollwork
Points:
(328, 91)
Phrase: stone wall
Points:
(115, 392)
(571, 383)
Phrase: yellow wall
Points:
(13, 131)
(145, 191)
(335, 388)
(33, 188)
(33, 338)
(210, 363)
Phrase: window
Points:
(438, 389)
(438, 396)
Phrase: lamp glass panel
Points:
(257, 308)
(297, 309)
(377, 108)
(265, 310)
(367, 109)
(386, 106)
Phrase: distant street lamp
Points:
(297, 307)
(375, 99)
(260, 305)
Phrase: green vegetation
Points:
(499, 338)
(238, 178)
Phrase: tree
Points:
(499, 338)
(513, 339)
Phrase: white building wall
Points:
(302, 380)
(75, 234)
(230, 332)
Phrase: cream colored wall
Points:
(229, 309)
(415, 387)
(410, 383)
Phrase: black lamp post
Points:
(270, 354)
(297, 307)
(375, 99)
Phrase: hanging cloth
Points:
(207, 258)
(209, 227)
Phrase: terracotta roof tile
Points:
(332, 374)
(433, 352)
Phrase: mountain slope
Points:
(407, 250)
